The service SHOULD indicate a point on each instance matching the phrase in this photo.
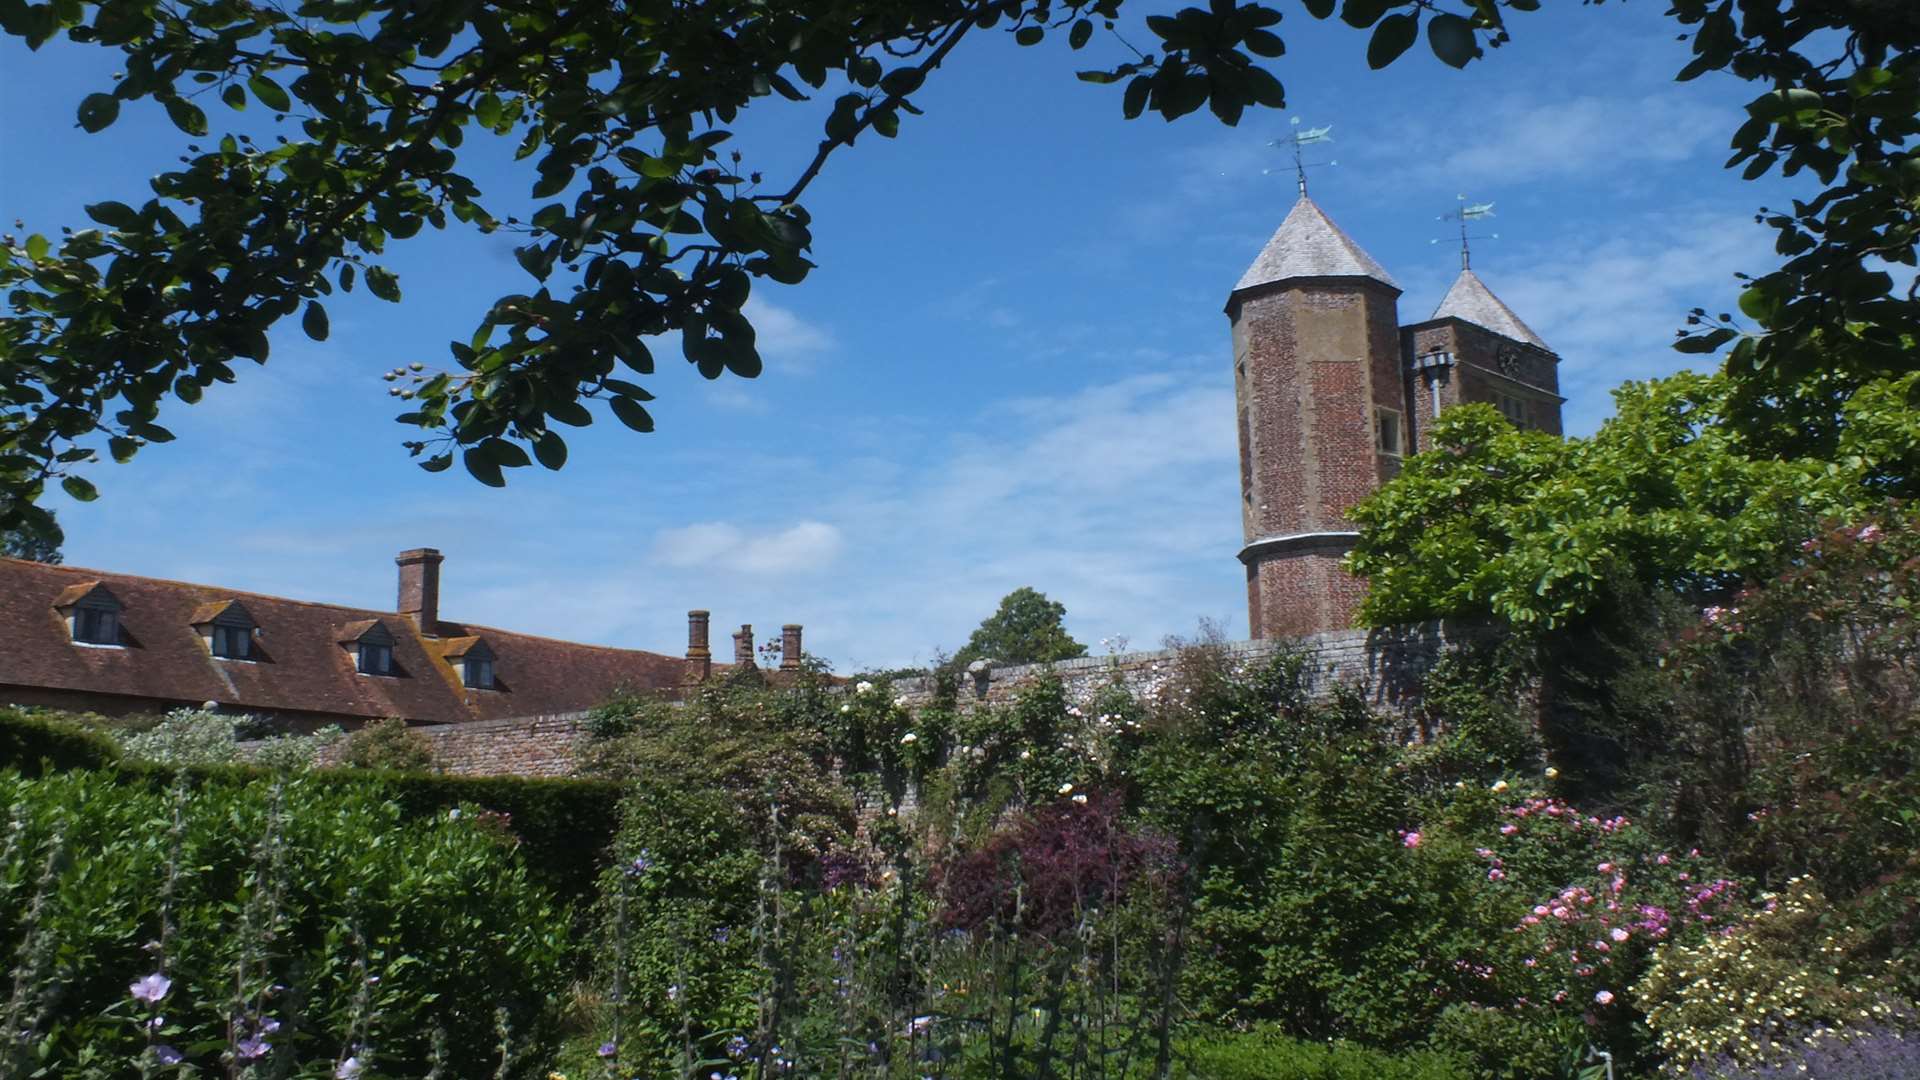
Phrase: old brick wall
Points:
(1386, 665)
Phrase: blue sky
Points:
(1011, 367)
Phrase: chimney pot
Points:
(699, 656)
(743, 646)
(790, 647)
(420, 587)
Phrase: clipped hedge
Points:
(565, 827)
(37, 744)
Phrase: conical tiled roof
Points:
(1471, 301)
(1307, 245)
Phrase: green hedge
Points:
(36, 744)
(1268, 1055)
(565, 826)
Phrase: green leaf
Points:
(902, 81)
(1361, 14)
(1452, 39)
(1081, 33)
(116, 215)
(314, 322)
(122, 448)
(1029, 35)
(438, 463)
(81, 490)
(487, 110)
(1394, 36)
(382, 283)
(1778, 103)
(1135, 100)
(1319, 9)
(631, 413)
(235, 97)
(37, 247)
(551, 449)
(269, 93)
(483, 468)
(186, 116)
(97, 111)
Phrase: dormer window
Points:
(96, 625)
(372, 646)
(375, 658)
(474, 660)
(228, 630)
(92, 614)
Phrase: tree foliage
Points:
(38, 539)
(1529, 528)
(1026, 629)
(650, 224)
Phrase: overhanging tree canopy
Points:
(622, 111)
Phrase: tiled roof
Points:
(1471, 301)
(1309, 245)
(302, 666)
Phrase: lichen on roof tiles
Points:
(1471, 301)
(1309, 245)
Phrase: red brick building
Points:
(116, 643)
(1332, 391)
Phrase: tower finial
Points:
(1469, 212)
(1296, 140)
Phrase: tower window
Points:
(1386, 431)
(376, 658)
(96, 625)
(1514, 409)
(232, 642)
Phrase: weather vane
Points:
(1298, 140)
(1469, 212)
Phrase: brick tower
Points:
(1321, 393)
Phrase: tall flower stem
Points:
(27, 1004)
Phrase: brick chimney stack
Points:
(699, 656)
(420, 587)
(790, 647)
(743, 646)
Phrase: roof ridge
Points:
(236, 594)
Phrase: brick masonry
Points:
(1387, 666)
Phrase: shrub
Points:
(308, 915)
(1746, 993)
(388, 744)
(202, 737)
(33, 744)
(1270, 1055)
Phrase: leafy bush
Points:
(295, 919)
(388, 744)
(202, 737)
(1270, 1055)
(1744, 995)
(32, 744)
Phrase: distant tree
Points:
(35, 538)
(1026, 630)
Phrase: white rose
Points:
(908, 738)
(1065, 788)
(862, 687)
(1499, 785)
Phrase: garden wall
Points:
(1387, 665)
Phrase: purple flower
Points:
(151, 989)
(251, 1048)
(641, 863)
(737, 1046)
(607, 1049)
(268, 1026)
(168, 1055)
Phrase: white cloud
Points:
(786, 340)
(802, 548)
(1520, 141)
